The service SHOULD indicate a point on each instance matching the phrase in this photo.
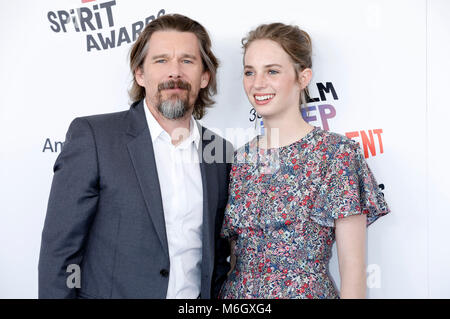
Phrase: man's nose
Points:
(174, 71)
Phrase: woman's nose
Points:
(260, 81)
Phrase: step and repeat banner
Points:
(380, 77)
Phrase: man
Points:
(137, 198)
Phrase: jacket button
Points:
(164, 272)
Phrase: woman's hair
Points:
(294, 41)
(176, 22)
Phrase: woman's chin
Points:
(263, 111)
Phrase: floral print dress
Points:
(282, 206)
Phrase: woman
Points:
(297, 189)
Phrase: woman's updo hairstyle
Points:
(294, 41)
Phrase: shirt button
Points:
(164, 272)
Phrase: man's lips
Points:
(174, 86)
(174, 92)
(264, 98)
(174, 89)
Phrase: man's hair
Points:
(176, 22)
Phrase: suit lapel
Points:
(210, 199)
(142, 156)
(141, 152)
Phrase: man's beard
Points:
(173, 107)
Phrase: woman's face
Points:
(270, 80)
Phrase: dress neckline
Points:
(304, 138)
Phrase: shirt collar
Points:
(156, 131)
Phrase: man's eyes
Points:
(182, 61)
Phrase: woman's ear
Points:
(304, 78)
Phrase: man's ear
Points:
(204, 80)
(139, 76)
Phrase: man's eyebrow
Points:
(190, 56)
(159, 56)
(165, 56)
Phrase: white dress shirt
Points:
(182, 198)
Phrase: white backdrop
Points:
(386, 60)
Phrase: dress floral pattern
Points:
(281, 211)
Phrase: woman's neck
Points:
(284, 130)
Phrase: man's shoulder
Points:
(218, 140)
(105, 122)
(208, 135)
(105, 118)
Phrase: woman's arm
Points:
(232, 256)
(351, 248)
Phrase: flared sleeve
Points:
(348, 188)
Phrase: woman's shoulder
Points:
(246, 151)
(246, 146)
(333, 142)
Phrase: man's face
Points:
(172, 73)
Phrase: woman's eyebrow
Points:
(265, 66)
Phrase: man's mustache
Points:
(172, 84)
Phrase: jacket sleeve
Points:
(222, 246)
(221, 264)
(71, 209)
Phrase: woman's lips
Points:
(262, 99)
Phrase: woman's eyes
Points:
(271, 72)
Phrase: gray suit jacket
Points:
(105, 212)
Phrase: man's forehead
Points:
(170, 41)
